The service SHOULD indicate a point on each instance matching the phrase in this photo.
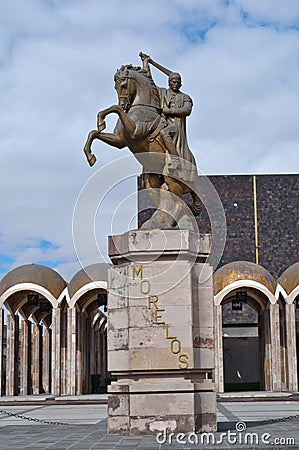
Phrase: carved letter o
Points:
(148, 288)
(175, 352)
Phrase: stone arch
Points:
(261, 288)
(28, 287)
(42, 277)
(28, 355)
(289, 281)
(251, 338)
(30, 293)
(243, 271)
(90, 277)
(90, 287)
(87, 353)
(289, 290)
(254, 285)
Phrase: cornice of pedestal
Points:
(155, 244)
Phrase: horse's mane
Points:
(122, 72)
(126, 67)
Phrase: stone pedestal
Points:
(160, 333)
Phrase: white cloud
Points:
(57, 62)
(273, 12)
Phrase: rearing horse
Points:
(138, 128)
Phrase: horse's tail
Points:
(196, 206)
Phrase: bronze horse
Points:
(138, 127)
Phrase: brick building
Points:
(276, 215)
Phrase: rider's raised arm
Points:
(148, 60)
(145, 64)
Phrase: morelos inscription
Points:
(175, 344)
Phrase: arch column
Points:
(25, 382)
(84, 354)
(87, 352)
(56, 351)
(104, 353)
(102, 357)
(79, 354)
(63, 351)
(283, 349)
(98, 345)
(92, 352)
(1, 350)
(219, 371)
(71, 350)
(275, 347)
(46, 359)
(12, 354)
(37, 359)
(291, 352)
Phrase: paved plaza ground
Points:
(85, 427)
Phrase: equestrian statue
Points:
(152, 124)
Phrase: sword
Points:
(157, 65)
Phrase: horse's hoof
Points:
(101, 126)
(92, 160)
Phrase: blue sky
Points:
(239, 61)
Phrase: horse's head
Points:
(125, 89)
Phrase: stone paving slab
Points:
(254, 394)
(50, 399)
(87, 428)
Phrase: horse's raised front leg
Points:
(94, 134)
(128, 124)
(112, 139)
(109, 138)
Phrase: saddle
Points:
(158, 124)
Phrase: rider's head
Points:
(175, 81)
